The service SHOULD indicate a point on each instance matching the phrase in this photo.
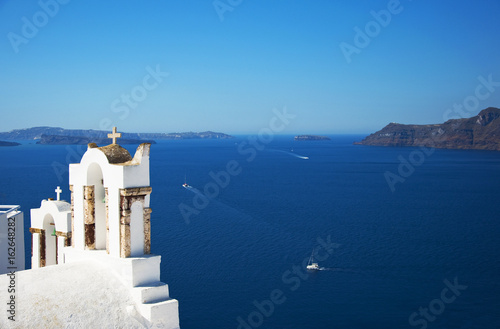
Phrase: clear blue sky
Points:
(228, 75)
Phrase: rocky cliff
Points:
(481, 132)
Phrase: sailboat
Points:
(311, 265)
(185, 185)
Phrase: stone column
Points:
(125, 233)
(57, 249)
(127, 197)
(66, 239)
(41, 244)
(147, 231)
(89, 216)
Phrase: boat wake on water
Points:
(303, 157)
(313, 266)
(333, 269)
(194, 190)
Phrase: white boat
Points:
(311, 265)
(185, 185)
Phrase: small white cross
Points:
(114, 135)
(58, 191)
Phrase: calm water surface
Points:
(391, 256)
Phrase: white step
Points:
(150, 293)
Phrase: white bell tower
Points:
(50, 231)
(110, 200)
(111, 224)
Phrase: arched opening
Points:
(136, 229)
(50, 246)
(95, 178)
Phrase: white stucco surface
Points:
(76, 295)
(133, 271)
(51, 215)
(91, 288)
(59, 210)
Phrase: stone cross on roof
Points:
(114, 135)
(58, 191)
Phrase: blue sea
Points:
(424, 254)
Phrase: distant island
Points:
(77, 140)
(481, 132)
(193, 135)
(311, 138)
(58, 136)
(2, 143)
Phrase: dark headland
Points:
(2, 143)
(481, 132)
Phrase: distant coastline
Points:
(2, 143)
(481, 132)
(59, 136)
(311, 138)
(77, 140)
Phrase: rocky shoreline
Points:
(3, 143)
(481, 132)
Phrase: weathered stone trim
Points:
(89, 216)
(125, 243)
(66, 236)
(125, 250)
(31, 247)
(69, 240)
(133, 191)
(42, 248)
(89, 204)
(90, 236)
(63, 234)
(147, 230)
(129, 196)
(57, 249)
(125, 217)
(41, 243)
(72, 212)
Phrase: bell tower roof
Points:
(115, 153)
